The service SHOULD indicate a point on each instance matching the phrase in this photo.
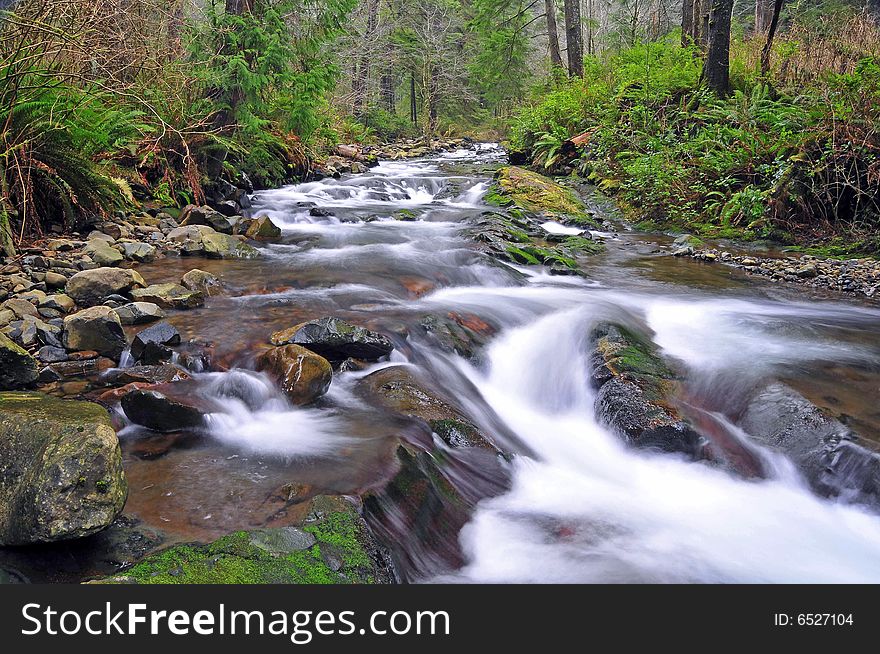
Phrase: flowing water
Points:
(573, 504)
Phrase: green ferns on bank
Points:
(767, 162)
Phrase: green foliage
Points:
(760, 163)
(53, 136)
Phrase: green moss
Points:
(536, 193)
(521, 256)
(239, 559)
(583, 245)
(404, 214)
(344, 532)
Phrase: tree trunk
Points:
(591, 48)
(238, 7)
(771, 33)
(717, 67)
(553, 34)
(763, 15)
(702, 10)
(573, 38)
(361, 80)
(386, 83)
(687, 23)
(413, 107)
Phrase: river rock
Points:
(399, 389)
(262, 228)
(55, 280)
(330, 544)
(21, 308)
(97, 328)
(210, 217)
(824, 449)
(76, 368)
(52, 354)
(203, 282)
(335, 340)
(17, 368)
(137, 313)
(160, 411)
(303, 375)
(169, 296)
(60, 467)
(141, 252)
(149, 345)
(146, 375)
(59, 302)
(102, 254)
(224, 246)
(635, 392)
(90, 287)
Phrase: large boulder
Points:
(203, 282)
(17, 368)
(636, 392)
(399, 389)
(823, 448)
(303, 375)
(97, 329)
(137, 313)
(335, 340)
(169, 296)
(149, 346)
(90, 287)
(61, 471)
(163, 409)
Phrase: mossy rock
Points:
(61, 471)
(536, 193)
(636, 392)
(332, 546)
(17, 367)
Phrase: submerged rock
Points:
(333, 545)
(61, 471)
(98, 329)
(398, 389)
(303, 375)
(823, 448)
(90, 287)
(635, 392)
(335, 340)
(17, 368)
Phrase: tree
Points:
(687, 22)
(362, 73)
(717, 67)
(763, 15)
(771, 33)
(574, 38)
(553, 34)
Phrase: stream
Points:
(571, 502)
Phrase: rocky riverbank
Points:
(859, 277)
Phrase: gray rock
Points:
(139, 251)
(102, 254)
(335, 340)
(90, 287)
(137, 313)
(158, 411)
(283, 540)
(149, 345)
(50, 354)
(169, 296)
